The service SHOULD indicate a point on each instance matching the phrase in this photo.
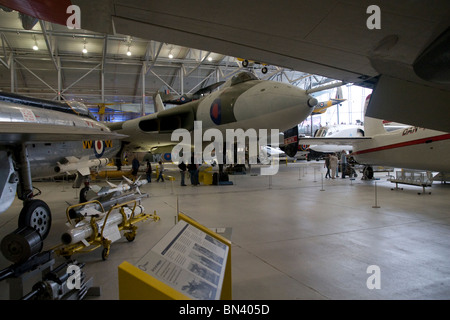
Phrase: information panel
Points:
(188, 260)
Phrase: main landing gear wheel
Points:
(83, 193)
(36, 214)
(368, 173)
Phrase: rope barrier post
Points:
(376, 197)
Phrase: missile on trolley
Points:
(84, 229)
(122, 187)
(102, 228)
(107, 197)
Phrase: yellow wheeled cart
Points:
(100, 228)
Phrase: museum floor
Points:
(292, 236)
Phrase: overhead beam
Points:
(47, 43)
(199, 64)
(172, 89)
(37, 77)
(5, 41)
(82, 77)
(206, 78)
(102, 74)
(149, 67)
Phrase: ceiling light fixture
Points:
(35, 47)
(129, 39)
(170, 56)
(84, 46)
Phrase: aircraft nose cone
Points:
(312, 102)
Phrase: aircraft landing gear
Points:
(37, 215)
(367, 173)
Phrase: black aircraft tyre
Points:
(368, 172)
(264, 70)
(83, 193)
(37, 215)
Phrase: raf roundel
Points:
(99, 148)
(215, 112)
(167, 157)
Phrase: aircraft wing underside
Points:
(334, 141)
(26, 132)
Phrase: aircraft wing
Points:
(400, 48)
(13, 132)
(335, 141)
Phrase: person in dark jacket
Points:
(149, 171)
(183, 168)
(135, 167)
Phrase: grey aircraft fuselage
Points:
(44, 153)
(243, 102)
(43, 138)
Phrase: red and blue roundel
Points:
(167, 156)
(216, 112)
(99, 148)
(303, 147)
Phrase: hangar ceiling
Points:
(105, 73)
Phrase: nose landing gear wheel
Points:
(36, 214)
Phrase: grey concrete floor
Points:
(292, 236)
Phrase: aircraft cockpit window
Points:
(80, 109)
(243, 77)
(321, 133)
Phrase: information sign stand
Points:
(189, 262)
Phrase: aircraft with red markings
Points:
(410, 148)
(44, 138)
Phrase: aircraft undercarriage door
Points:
(8, 181)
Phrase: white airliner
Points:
(409, 148)
(335, 131)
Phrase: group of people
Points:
(193, 172)
(331, 163)
(192, 168)
(148, 172)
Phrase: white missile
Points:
(83, 230)
(122, 187)
(81, 166)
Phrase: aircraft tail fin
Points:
(159, 105)
(372, 126)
